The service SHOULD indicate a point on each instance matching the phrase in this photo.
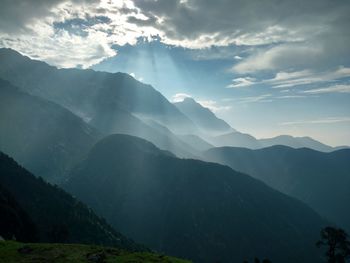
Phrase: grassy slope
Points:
(11, 251)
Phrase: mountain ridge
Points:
(320, 179)
(192, 209)
(203, 117)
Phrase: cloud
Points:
(279, 57)
(68, 33)
(328, 120)
(242, 82)
(63, 49)
(253, 99)
(331, 89)
(179, 97)
(288, 36)
(213, 105)
(284, 79)
(291, 79)
(202, 23)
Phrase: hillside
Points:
(58, 216)
(191, 209)
(322, 180)
(14, 221)
(14, 252)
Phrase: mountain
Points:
(196, 142)
(243, 140)
(44, 137)
(114, 120)
(204, 118)
(111, 103)
(58, 216)
(191, 209)
(236, 139)
(322, 180)
(296, 142)
(86, 92)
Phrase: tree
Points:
(337, 243)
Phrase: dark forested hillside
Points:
(14, 221)
(188, 208)
(58, 216)
(322, 180)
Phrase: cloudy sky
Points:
(268, 67)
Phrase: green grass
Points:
(16, 252)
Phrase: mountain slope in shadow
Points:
(58, 216)
(192, 209)
(322, 180)
(44, 137)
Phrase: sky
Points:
(267, 67)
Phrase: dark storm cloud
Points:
(189, 19)
(273, 35)
(288, 35)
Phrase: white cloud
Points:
(241, 82)
(328, 120)
(179, 97)
(331, 89)
(37, 36)
(285, 80)
(253, 99)
(291, 79)
(277, 57)
(214, 106)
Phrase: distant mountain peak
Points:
(189, 100)
(203, 117)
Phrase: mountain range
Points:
(192, 209)
(319, 179)
(117, 103)
(123, 152)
